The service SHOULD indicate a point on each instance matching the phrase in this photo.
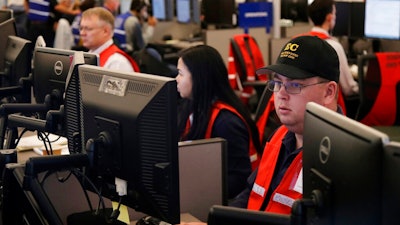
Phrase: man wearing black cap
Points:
(307, 70)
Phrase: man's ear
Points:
(332, 92)
(329, 17)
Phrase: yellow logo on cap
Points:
(288, 51)
(291, 47)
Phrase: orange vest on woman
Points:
(287, 192)
(216, 108)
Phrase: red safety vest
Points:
(383, 111)
(114, 49)
(253, 60)
(324, 36)
(216, 108)
(285, 194)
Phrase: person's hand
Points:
(152, 21)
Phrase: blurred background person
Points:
(323, 15)
(97, 30)
(135, 28)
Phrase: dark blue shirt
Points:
(229, 126)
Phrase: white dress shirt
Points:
(116, 60)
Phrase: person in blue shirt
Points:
(135, 28)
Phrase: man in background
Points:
(323, 15)
(97, 30)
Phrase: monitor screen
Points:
(50, 70)
(213, 15)
(225, 215)
(183, 11)
(342, 168)
(7, 28)
(357, 19)
(382, 19)
(17, 60)
(130, 133)
(17, 63)
(162, 9)
(349, 19)
(196, 11)
(295, 10)
(5, 14)
(343, 15)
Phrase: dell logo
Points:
(324, 150)
(58, 68)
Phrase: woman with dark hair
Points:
(210, 108)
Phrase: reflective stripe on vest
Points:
(286, 193)
(75, 28)
(252, 59)
(119, 31)
(39, 10)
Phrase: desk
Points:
(64, 204)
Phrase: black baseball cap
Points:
(305, 57)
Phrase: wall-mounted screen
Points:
(162, 9)
(183, 12)
(219, 12)
(382, 19)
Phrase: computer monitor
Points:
(214, 15)
(183, 11)
(349, 19)
(163, 9)
(50, 70)
(17, 60)
(5, 14)
(382, 19)
(342, 168)
(295, 10)
(343, 15)
(17, 65)
(391, 183)
(130, 132)
(187, 11)
(7, 28)
(225, 215)
(357, 19)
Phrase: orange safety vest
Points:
(216, 108)
(383, 111)
(324, 36)
(285, 194)
(252, 57)
(114, 49)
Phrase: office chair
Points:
(379, 89)
(266, 119)
(245, 58)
